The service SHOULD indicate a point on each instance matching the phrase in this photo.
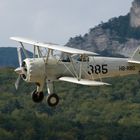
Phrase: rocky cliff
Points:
(135, 14)
(118, 36)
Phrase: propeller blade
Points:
(17, 82)
(19, 56)
(19, 70)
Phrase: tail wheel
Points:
(37, 97)
(52, 100)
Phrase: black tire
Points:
(37, 97)
(52, 100)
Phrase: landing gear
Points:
(37, 97)
(52, 100)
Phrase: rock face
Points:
(118, 37)
(102, 41)
(135, 14)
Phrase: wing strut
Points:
(99, 75)
(37, 52)
(74, 69)
(25, 53)
(75, 72)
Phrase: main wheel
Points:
(52, 100)
(37, 97)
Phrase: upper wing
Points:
(53, 47)
(83, 81)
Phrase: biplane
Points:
(72, 65)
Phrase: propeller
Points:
(17, 82)
(20, 69)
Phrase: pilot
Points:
(83, 58)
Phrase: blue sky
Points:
(55, 20)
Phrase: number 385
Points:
(98, 69)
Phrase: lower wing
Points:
(83, 81)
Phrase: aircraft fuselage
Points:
(95, 68)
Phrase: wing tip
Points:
(16, 38)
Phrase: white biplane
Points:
(78, 66)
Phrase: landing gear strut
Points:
(37, 97)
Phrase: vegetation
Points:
(84, 113)
(8, 57)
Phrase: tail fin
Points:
(135, 57)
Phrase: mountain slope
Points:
(115, 37)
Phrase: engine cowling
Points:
(34, 70)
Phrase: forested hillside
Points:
(9, 58)
(84, 113)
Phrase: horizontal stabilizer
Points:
(134, 62)
(135, 59)
(53, 46)
(83, 81)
